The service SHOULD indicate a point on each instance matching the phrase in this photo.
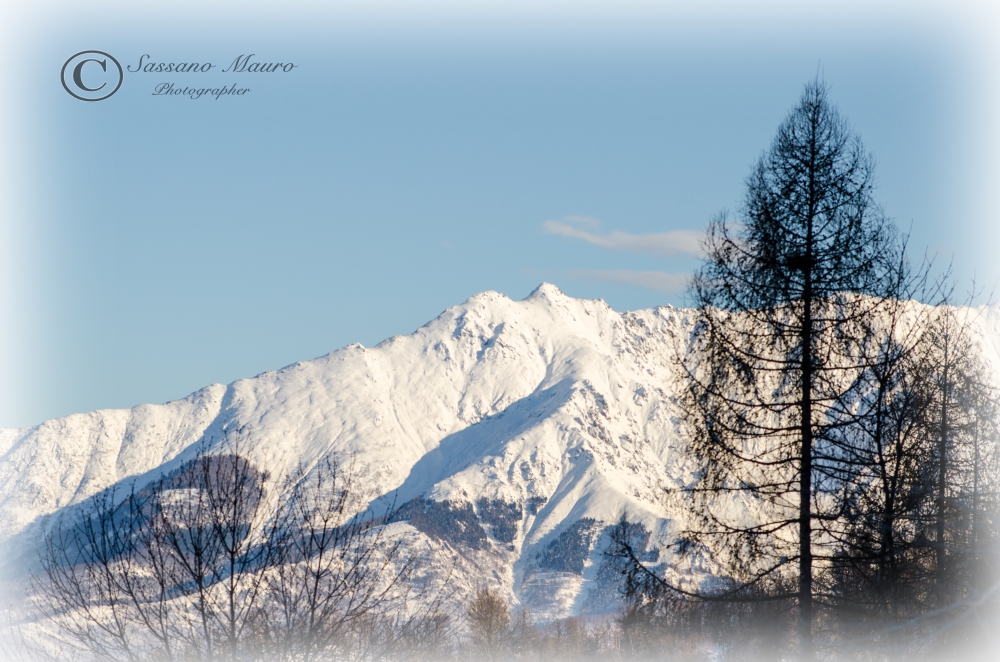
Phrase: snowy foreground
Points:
(530, 424)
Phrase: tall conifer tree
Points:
(783, 302)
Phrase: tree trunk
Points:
(940, 557)
(805, 492)
(805, 468)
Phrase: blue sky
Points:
(421, 153)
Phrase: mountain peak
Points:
(547, 291)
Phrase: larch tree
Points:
(783, 303)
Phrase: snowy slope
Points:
(533, 424)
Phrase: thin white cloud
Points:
(675, 242)
(659, 281)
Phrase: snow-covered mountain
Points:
(510, 433)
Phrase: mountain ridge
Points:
(532, 424)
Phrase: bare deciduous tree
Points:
(334, 565)
(489, 623)
(205, 563)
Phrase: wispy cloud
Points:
(659, 281)
(675, 242)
